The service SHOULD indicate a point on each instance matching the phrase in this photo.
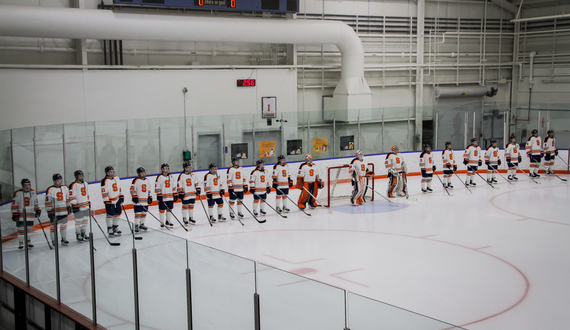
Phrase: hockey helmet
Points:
(308, 157)
(56, 176)
(550, 132)
(163, 166)
(395, 148)
(77, 173)
(493, 141)
(512, 136)
(534, 131)
(259, 161)
(359, 153)
(447, 143)
(280, 157)
(108, 169)
(141, 170)
(26, 181)
(474, 140)
(185, 165)
(425, 146)
(212, 165)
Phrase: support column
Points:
(81, 44)
(419, 118)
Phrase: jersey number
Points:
(397, 160)
(262, 178)
(115, 187)
(59, 196)
(537, 142)
(215, 181)
(167, 183)
(284, 172)
(362, 167)
(143, 188)
(188, 182)
(451, 156)
(495, 153)
(311, 172)
(515, 150)
(83, 192)
(238, 175)
(27, 201)
(476, 153)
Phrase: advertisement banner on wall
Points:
(320, 145)
(266, 149)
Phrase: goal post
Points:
(337, 180)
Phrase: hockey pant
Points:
(426, 180)
(358, 190)
(236, 195)
(165, 210)
(113, 212)
(512, 168)
(305, 197)
(81, 219)
(61, 221)
(396, 184)
(140, 214)
(491, 170)
(188, 208)
(471, 172)
(215, 201)
(447, 173)
(281, 197)
(549, 161)
(534, 163)
(20, 226)
(259, 198)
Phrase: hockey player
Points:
(281, 183)
(142, 198)
(309, 183)
(359, 172)
(214, 192)
(113, 198)
(188, 191)
(535, 152)
(237, 186)
(473, 159)
(58, 208)
(79, 200)
(427, 166)
(493, 161)
(259, 183)
(166, 194)
(397, 185)
(25, 202)
(550, 151)
(449, 165)
(513, 156)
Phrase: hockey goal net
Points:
(338, 186)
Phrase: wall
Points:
(45, 97)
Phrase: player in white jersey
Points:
(58, 208)
(259, 183)
(25, 204)
(513, 156)
(188, 191)
(214, 192)
(359, 173)
(449, 165)
(237, 186)
(113, 198)
(535, 152)
(80, 204)
(166, 194)
(309, 182)
(142, 198)
(427, 167)
(281, 183)
(397, 184)
(473, 159)
(550, 152)
(493, 161)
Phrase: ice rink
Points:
(491, 259)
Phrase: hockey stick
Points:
(253, 215)
(444, 187)
(263, 200)
(523, 172)
(466, 186)
(486, 181)
(377, 193)
(297, 205)
(162, 224)
(232, 210)
(315, 198)
(204, 207)
(45, 235)
(169, 210)
(502, 176)
(138, 238)
(556, 175)
(104, 235)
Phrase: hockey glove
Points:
(448, 166)
(556, 152)
(423, 172)
(51, 215)
(268, 190)
(174, 198)
(245, 189)
(198, 191)
(135, 200)
(542, 154)
(149, 199)
(500, 162)
(520, 159)
(69, 210)
(209, 196)
(480, 162)
(434, 168)
(75, 209)
(15, 217)
(454, 168)
(222, 192)
(465, 162)
(290, 183)
(159, 198)
(370, 173)
(275, 184)
(38, 213)
(231, 191)
(122, 199)
(320, 184)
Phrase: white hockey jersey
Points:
(448, 158)
(165, 187)
(549, 145)
(79, 195)
(492, 156)
(236, 179)
(27, 201)
(110, 190)
(259, 181)
(473, 155)
(426, 162)
(187, 184)
(360, 167)
(533, 146)
(212, 184)
(140, 188)
(57, 200)
(513, 152)
(309, 173)
(282, 174)
(395, 162)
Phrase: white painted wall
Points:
(45, 97)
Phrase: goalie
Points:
(397, 186)
(309, 183)
(359, 173)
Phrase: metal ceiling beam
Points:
(505, 5)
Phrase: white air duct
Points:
(474, 91)
(352, 91)
(531, 69)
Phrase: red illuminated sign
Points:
(246, 83)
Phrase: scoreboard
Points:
(279, 6)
